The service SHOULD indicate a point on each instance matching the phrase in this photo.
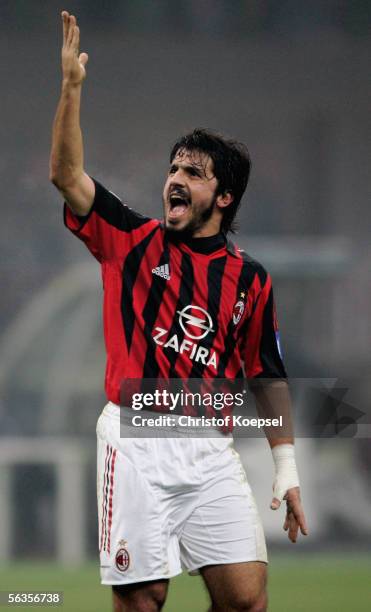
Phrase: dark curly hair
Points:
(232, 165)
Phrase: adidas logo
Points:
(163, 271)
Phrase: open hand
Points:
(295, 517)
(73, 64)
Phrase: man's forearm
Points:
(273, 401)
(67, 158)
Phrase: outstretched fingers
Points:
(292, 526)
(295, 517)
(73, 64)
(71, 29)
(302, 522)
(65, 21)
(76, 38)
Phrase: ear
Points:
(224, 199)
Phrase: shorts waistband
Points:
(125, 415)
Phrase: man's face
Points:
(189, 195)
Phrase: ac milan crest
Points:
(122, 559)
(238, 310)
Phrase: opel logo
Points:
(195, 317)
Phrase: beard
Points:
(196, 223)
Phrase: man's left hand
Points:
(295, 517)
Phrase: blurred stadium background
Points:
(289, 78)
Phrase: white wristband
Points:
(286, 473)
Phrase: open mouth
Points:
(179, 203)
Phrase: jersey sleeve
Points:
(110, 227)
(261, 351)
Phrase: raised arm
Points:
(67, 156)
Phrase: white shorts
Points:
(168, 504)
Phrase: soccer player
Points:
(180, 301)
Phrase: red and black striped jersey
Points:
(196, 309)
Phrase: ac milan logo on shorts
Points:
(122, 559)
(238, 309)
